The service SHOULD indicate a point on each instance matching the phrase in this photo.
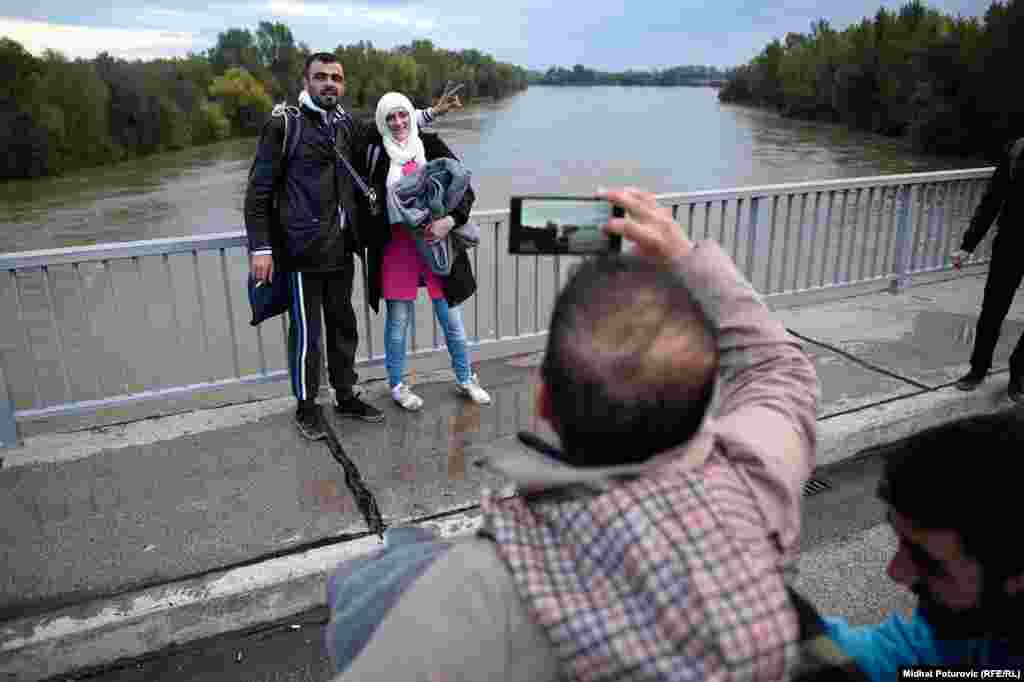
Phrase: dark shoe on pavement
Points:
(970, 381)
(354, 408)
(310, 421)
(1016, 390)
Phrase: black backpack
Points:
(292, 135)
(289, 142)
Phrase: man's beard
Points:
(996, 615)
(325, 101)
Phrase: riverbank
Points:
(63, 115)
(363, 114)
(939, 78)
(902, 140)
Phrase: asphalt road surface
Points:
(842, 570)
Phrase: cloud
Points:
(355, 16)
(161, 12)
(86, 41)
(603, 34)
(291, 8)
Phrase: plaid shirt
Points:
(674, 571)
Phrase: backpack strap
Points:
(372, 155)
(292, 134)
(291, 137)
(289, 142)
(1016, 151)
(346, 121)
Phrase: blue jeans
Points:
(396, 328)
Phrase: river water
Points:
(545, 139)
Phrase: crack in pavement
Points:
(863, 363)
(365, 500)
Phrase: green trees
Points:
(209, 123)
(64, 108)
(421, 70)
(57, 115)
(22, 132)
(235, 48)
(244, 100)
(279, 54)
(938, 79)
(19, 73)
(581, 75)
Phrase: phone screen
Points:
(561, 225)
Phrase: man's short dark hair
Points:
(963, 476)
(630, 364)
(323, 57)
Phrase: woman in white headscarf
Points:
(395, 268)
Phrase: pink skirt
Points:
(404, 270)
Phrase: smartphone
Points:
(554, 224)
(455, 87)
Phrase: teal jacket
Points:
(880, 650)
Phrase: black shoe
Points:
(1016, 390)
(970, 381)
(310, 421)
(354, 408)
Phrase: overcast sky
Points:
(537, 34)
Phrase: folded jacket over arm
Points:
(424, 196)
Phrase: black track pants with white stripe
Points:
(332, 293)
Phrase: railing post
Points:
(752, 242)
(904, 241)
(8, 427)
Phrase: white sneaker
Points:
(406, 398)
(471, 389)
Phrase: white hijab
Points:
(399, 152)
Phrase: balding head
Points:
(630, 363)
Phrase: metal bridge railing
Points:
(102, 326)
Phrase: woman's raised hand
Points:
(446, 103)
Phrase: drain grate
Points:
(815, 486)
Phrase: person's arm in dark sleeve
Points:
(363, 131)
(990, 206)
(461, 212)
(424, 117)
(259, 194)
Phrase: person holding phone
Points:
(395, 268)
(652, 541)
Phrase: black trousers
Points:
(1004, 277)
(332, 293)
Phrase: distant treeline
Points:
(949, 83)
(677, 75)
(58, 115)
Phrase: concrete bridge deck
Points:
(124, 539)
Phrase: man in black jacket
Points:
(1004, 197)
(304, 211)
